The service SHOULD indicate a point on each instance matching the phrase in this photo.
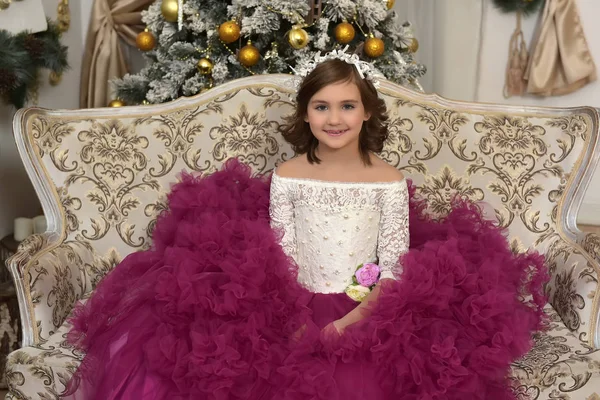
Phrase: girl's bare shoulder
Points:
(384, 172)
(293, 168)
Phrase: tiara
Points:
(365, 69)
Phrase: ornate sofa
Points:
(102, 176)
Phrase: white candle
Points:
(39, 224)
(23, 228)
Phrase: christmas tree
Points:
(194, 45)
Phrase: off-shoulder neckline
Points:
(321, 182)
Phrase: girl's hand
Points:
(339, 326)
(333, 329)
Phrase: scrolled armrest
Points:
(50, 277)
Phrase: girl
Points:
(337, 186)
(304, 287)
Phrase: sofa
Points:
(102, 176)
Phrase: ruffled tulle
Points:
(214, 311)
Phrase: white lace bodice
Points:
(329, 228)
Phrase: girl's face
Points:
(336, 115)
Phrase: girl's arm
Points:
(393, 242)
(281, 211)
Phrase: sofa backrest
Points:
(102, 174)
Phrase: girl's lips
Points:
(336, 132)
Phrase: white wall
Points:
(497, 28)
(17, 197)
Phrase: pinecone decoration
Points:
(34, 47)
(8, 81)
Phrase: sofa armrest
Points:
(50, 277)
(573, 288)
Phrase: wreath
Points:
(524, 6)
(22, 56)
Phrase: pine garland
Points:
(21, 58)
(527, 7)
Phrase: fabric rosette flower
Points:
(357, 292)
(367, 274)
(364, 280)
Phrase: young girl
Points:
(304, 287)
(347, 206)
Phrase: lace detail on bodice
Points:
(329, 228)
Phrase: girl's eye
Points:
(348, 107)
(320, 108)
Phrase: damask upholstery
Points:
(102, 176)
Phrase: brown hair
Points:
(374, 131)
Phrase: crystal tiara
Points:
(365, 69)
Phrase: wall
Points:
(17, 197)
(497, 28)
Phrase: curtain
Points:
(113, 25)
(449, 35)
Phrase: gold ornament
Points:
(205, 66)
(4, 4)
(170, 10)
(145, 40)
(229, 31)
(63, 15)
(116, 103)
(414, 45)
(298, 38)
(374, 47)
(248, 55)
(344, 32)
(390, 4)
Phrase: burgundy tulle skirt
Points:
(214, 311)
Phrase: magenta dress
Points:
(236, 298)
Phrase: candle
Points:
(39, 224)
(23, 228)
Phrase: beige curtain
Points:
(112, 22)
(560, 61)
